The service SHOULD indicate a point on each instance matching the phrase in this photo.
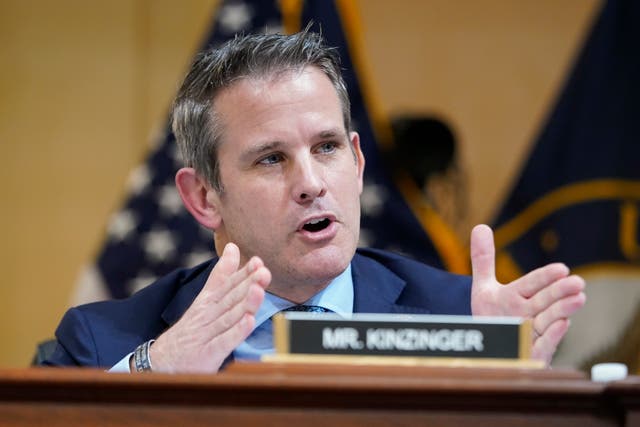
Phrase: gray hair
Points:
(195, 125)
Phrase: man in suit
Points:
(274, 170)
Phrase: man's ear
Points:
(199, 198)
(357, 152)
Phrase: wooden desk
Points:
(316, 395)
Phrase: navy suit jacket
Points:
(101, 334)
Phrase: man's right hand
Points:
(221, 317)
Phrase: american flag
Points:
(152, 234)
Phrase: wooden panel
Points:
(54, 415)
(274, 394)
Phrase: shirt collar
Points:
(337, 297)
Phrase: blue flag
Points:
(578, 198)
(152, 234)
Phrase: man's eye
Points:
(327, 147)
(271, 159)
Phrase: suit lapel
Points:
(377, 289)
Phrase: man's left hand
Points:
(547, 295)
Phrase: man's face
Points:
(291, 179)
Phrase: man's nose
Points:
(307, 181)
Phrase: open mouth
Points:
(316, 225)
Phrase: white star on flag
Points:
(234, 17)
(169, 201)
(139, 179)
(159, 245)
(122, 225)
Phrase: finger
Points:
(544, 346)
(561, 309)
(217, 282)
(222, 280)
(247, 270)
(483, 254)
(225, 343)
(556, 291)
(235, 301)
(248, 305)
(536, 280)
(240, 292)
(229, 261)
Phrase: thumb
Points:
(483, 254)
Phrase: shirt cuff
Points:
(123, 365)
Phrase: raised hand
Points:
(548, 295)
(220, 318)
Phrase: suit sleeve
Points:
(75, 342)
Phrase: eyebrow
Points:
(332, 133)
(266, 147)
(260, 149)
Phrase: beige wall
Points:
(83, 85)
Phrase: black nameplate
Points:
(392, 335)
